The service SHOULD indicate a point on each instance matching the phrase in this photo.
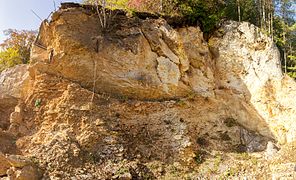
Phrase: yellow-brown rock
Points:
(144, 99)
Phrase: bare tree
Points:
(101, 10)
(104, 9)
(238, 10)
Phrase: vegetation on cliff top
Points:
(275, 17)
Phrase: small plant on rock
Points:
(38, 103)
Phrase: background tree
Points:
(285, 33)
(16, 48)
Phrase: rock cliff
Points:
(144, 99)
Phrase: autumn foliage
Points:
(16, 48)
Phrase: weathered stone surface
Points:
(7, 104)
(7, 142)
(168, 72)
(17, 167)
(122, 61)
(4, 165)
(248, 64)
(14, 80)
(18, 161)
(24, 173)
(271, 150)
(13, 85)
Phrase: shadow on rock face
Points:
(7, 104)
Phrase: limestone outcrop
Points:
(13, 83)
(134, 58)
(144, 99)
(248, 64)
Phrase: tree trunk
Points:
(260, 12)
(285, 53)
(263, 15)
(239, 10)
(271, 25)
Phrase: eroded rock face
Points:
(14, 80)
(13, 83)
(144, 59)
(248, 63)
(226, 95)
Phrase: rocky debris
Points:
(18, 126)
(18, 167)
(4, 165)
(253, 142)
(271, 150)
(283, 171)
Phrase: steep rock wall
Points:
(87, 111)
(248, 63)
(144, 59)
(148, 59)
(13, 85)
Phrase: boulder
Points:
(4, 165)
(7, 141)
(18, 167)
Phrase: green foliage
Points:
(9, 58)
(38, 103)
(249, 11)
(208, 12)
(230, 172)
(285, 34)
(292, 74)
(199, 156)
(16, 48)
(112, 4)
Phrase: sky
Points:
(17, 14)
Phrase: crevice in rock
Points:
(153, 49)
(146, 38)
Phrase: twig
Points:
(36, 15)
(99, 14)
(39, 45)
(49, 15)
(54, 5)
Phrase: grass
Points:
(199, 156)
